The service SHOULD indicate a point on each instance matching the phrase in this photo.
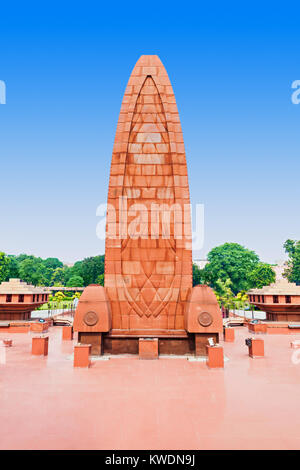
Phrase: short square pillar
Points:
(67, 333)
(229, 335)
(257, 327)
(148, 348)
(215, 357)
(81, 355)
(256, 348)
(7, 342)
(202, 340)
(39, 327)
(40, 345)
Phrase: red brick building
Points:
(18, 299)
(280, 301)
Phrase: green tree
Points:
(49, 266)
(58, 297)
(241, 300)
(33, 271)
(52, 263)
(51, 271)
(292, 248)
(197, 275)
(13, 268)
(77, 295)
(224, 293)
(4, 266)
(230, 261)
(75, 281)
(100, 279)
(89, 269)
(57, 277)
(262, 275)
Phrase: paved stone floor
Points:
(125, 403)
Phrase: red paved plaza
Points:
(170, 403)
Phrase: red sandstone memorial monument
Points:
(148, 293)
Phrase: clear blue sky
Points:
(66, 65)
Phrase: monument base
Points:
(176, 343)
(94, 339)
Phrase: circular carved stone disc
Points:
(90, 318)
(205, 319)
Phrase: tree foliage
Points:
(230, 261)
(57, 277)
(75, 281)
(197, 275)
(100, 279)
(33, 271)
(4, 266)
(224, 294)
(58, 297)
(262, 275)
(13, 268)
(292, 248)
(51, 271)
(89, 269)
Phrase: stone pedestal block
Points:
(67, 333)
(148, 348)
(256, 348)
(201, 342)
(38, 327)
(257, 327)
(40, 345)
(215, 357)
(81, 355)
(229, 335)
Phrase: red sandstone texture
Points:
(40, 345)
(148, 348)
(256, 348)
(148, 279)
(215, 357)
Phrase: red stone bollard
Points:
(81, 355)
(39, 327)
(256, 347)
(215, 357)
(7, 342)
(148, 348)
(257, 327)
(229, 335)
(67, 333)
(40, 345)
